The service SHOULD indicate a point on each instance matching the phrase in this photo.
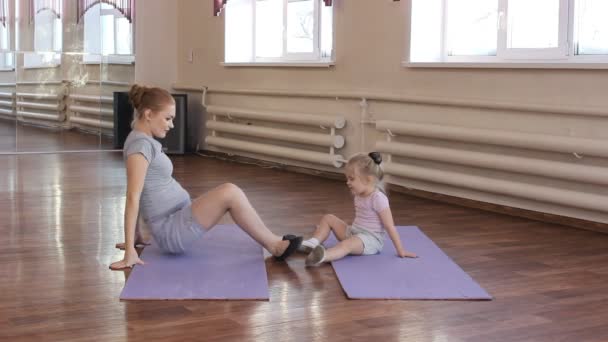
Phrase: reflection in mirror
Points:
(42, 95)
(116, 77)
(8, 119)
(72, 55)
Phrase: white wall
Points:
(156, 42)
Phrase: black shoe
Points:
(294, 243)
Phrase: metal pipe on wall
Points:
(318, 139)
(541, 142)
(43, 116)
(92, 122)
(59, 106)
(284, 152)
(38, 96)
(563, 197)
(95, 110)
(296, 118)
(546, 168)
(92, 98)
(9, 112)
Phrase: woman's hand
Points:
(406, 254)
(131, 258)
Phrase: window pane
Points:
(426, 35)
(43, 30)
(472, 27)
(591, 27)
(57, 35)
(269, 28)
(300, 25)
(4, 42)
(238, 25)
(533, 24)
(123, 36)
(6, 60)
(3, 38)
(92, 31)
(107, 36)
(327, 29)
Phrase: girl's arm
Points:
(387, 220)
(137, 166)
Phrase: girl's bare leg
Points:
(352, 245)
(328, 223)
(209, 208)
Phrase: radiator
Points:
(565, 171)
(274, 138)
(91, 111)
(48, 107)
(7, 105)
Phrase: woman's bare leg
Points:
(209, 208)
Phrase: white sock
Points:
(312, 242)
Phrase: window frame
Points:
(562, 57)
(293, 59)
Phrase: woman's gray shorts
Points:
(176, 231)
(372, 242)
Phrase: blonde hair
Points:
(369, 165)
(152, 98)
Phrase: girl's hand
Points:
(406, 254)
(130, 259)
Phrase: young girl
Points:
(172, 218)
(372, 217)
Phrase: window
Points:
(278, 31)
(107, 32)
(539, 32)
(6, 57)
(47, 40)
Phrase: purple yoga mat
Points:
(224, 264)
(433, 275)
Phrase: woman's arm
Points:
(137, 166)
(386, 216)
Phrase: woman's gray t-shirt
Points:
(161, 194)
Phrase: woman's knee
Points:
(231, 191)
(329, 218)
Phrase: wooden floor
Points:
(24, 137)
(60, 215)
